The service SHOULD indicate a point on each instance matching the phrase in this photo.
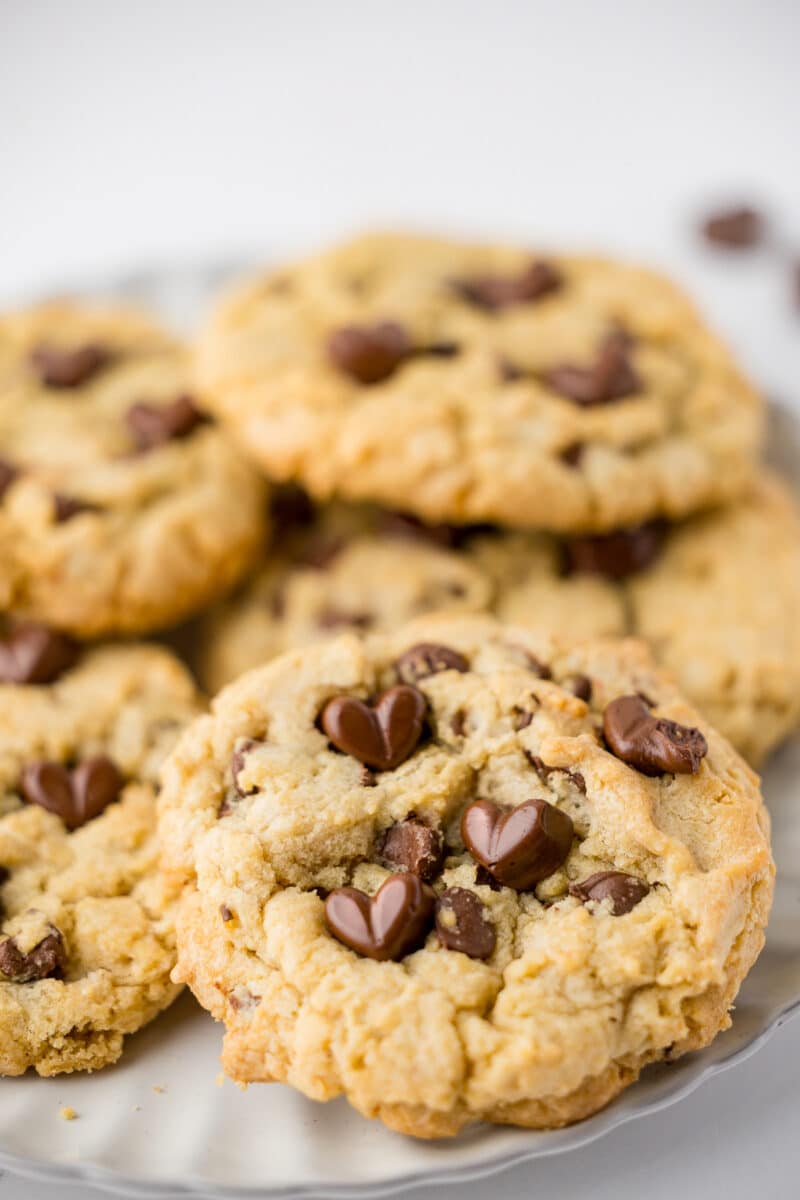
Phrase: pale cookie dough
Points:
(87, 937)
(346, 567)
(564, 995)
(112, 522)
(476, 383)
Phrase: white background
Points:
(159, 130)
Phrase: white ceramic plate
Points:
(159, 1125)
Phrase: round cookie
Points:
(423, 872)
(472, 383)
(346, 566)
(87, 937)
(121, 508)
(717, 597)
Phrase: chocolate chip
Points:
(67, 507)
(320, 552)
(544, 771)
(369, 353)
(495, 292)
(61, 368)
(458, 722)
(153, 425)
(528, 659)
(225, 913)
(367, 778)
(398, 524)
(484, 878)
(735, 228)
(5, 875)
(624, 891)
(521, 719)
(415, 847)
(386, 926)
(610, 377)
(572, 454)
(336, 618)
(428, 658)
(614, 555)
(77, 796)
(46, 960)
(653, 745)
(462, 923)
(520, 846)
(8, 473)
(238, 759)
(290, 508)
(32, 653)
(580, 686)
(382, 735)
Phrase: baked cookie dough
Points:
(479, 383)
(87, 938)
(463, 871)
(121, 508)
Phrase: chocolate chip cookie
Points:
(462, 871)
(122, 508)
(87, 938)
(337, 568)
(475, 383)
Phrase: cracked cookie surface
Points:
(416, 875)
(87, 937)
(121, 509)
(475, 383)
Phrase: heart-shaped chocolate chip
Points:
(518, 846)
(369, 353)
(623, 890)
(77, 796)
(152, 425)
(46, 960)
(389, 924)
(382, 735)
(428, 658)
(462, 923)
(496, 292)
(32, 653)
(58, 367)
(653, 745)
(414, 846)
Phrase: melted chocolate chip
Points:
(624, 891)
(153, 425)
(462, 923)
(77, 796)
(572, 454)
(386, 926)
(484, 878)
(61, 368)
(367, 778)
(520, 846)
(610, 377)
(369, 353)
(382, 735)
(290, 508)
(653, 745)
(496, 292)
(614, 555)
(544, 771)
(415, 847)
(734, 228)
(32, 653)
(46, 960)
(428, 658)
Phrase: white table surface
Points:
(170, 130)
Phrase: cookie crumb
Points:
(67, 1113)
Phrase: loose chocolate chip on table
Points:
(66, 507)
(653, 745)
(518, 846)
(381, 735)
(8, 473)
(614, 555)
(735, 228)
(61, 368)
(496, 292)
(623, 890)
(610, 377)
(414, 846)
(580, 686)
(462, 923)
(76, 795)
(153, 425)
(428, 658)
(369, 353)
(32, 653)
(336, 618)
(45, 961)
(385, 926)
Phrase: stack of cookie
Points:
(451, 844)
